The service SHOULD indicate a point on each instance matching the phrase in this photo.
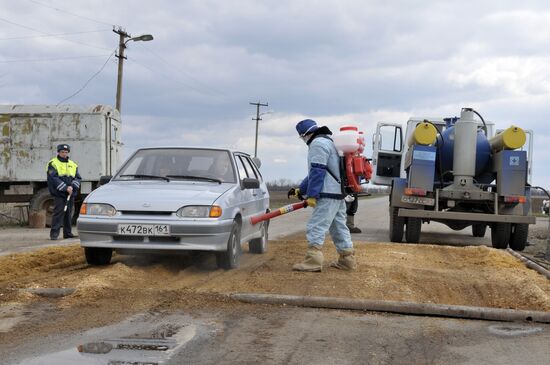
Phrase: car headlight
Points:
(97, 209)
(199, 211)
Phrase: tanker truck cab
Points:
(458, 172)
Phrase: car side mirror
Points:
(250, 183)
(104, 180)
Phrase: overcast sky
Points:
(338, 62)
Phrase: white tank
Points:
(347, 139)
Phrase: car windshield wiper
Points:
(142, 176)
(190, 177)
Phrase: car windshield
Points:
(179, 164)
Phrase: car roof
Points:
(193, 147)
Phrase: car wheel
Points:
(500, 235)
(518, 238)
(259, 245)
(230, 258)
(98, 255)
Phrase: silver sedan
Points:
(173, 199)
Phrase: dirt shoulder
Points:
(473, 276)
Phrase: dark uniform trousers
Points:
(61, 218)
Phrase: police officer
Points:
(323, 192)
(63, 182)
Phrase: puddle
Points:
(152, 342)
(513, 330)
(10, 315)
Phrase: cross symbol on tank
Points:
(514, 160)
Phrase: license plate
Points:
(417, 200)
(144, 229)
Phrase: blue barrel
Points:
(483, 156)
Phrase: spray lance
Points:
(283, 210)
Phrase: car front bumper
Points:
(203, 234)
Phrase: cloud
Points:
(338, 62)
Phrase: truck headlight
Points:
(199, 211)
(97, 209)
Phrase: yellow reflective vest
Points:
(63, 168)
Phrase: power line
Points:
(90, 79)
(48, 59)
(171, 78)
(69, 13)
(207, 87)
(65, 39)
(53, 35)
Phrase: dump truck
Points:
(29, 136)
(458, 171)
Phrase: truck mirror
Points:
(104, 179)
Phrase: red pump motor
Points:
(350, 143)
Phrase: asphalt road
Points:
(250, 334)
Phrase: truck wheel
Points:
(396, 225)
(98, 255)
(43, 201)
(230, 258)
(412, 233)
(259, 245)
(478, 230)
(518, 236)
(500, 235)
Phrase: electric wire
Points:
(70, 13)
(90, 79)
(53, 35)
(207, 87)
(171, 78)
(50, 34)
(49, 59)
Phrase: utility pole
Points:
(121, 47)
(257, 119)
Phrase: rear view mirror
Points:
(250, 183)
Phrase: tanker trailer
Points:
(456, 171)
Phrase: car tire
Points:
(259, 245)
(98, 256)
(412, 231)
(500, 235)
(397, 225)
(479, 229)
(518, 236)
(230, 258)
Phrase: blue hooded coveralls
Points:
(330, 212)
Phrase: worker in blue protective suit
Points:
(63, 184)
(323, 192)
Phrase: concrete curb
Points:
(426, 309)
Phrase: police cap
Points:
(61, 147)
